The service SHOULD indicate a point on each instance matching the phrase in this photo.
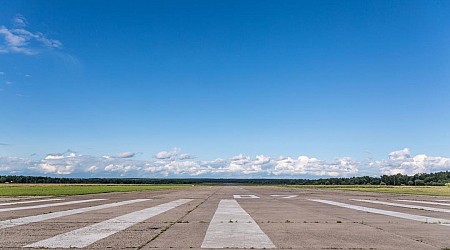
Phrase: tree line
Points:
(430, 179)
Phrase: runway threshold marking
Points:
(32, 201)
(43, 217)
(426, 202)
(245, 196)
(420, 218)
(49, 205)
(233, 227)
(284, 196)
(405, 205)
(85, 236)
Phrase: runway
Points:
(232, 217)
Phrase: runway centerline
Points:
(233, 227)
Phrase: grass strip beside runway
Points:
(425, 190)
(74, 189)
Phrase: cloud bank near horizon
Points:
(173, 163)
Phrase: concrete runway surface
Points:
(211, 217)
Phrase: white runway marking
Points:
(424, 219)
(284, 196)
(48, 205)
(232, 227)
(426, 202)
(85, 236)
(405, 205)
(25, 202)
(43, 217)
(245, 196)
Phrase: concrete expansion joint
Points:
(175, 222)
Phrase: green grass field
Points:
(425, 190)
(73, 189)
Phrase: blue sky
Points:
(249, 84)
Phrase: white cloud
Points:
(305, 165)
(399, 155)
(12, 165)
(124, 155)
(21, 40)
(92, 169)
(174, 164)
(121, 168)
(67, 154)
(167, 154)
(261, 159)
(49, 168)
(402, 162)
(184, 157)
(19, 21)
(169, 165)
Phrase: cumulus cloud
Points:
(173, 164)
(401, 162)
(400, 155)
(71, 162)
(261, 159)
(121, 168)
(167, 154)
(67, 154)
(305, 165)
(184, 157)
(92, 169)
(14, 165)
(60, 163)
(49, 168)
(19, 39)
(124, 155)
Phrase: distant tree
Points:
(419, 182)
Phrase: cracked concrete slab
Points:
(296, 223)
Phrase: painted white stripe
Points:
(43, 217)
(284, 196)
(85, 236)
(245, 196)
(49, 205)
(424, 219)
(405, 205)
(426, 202)
(25, 202)
(232, 227)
